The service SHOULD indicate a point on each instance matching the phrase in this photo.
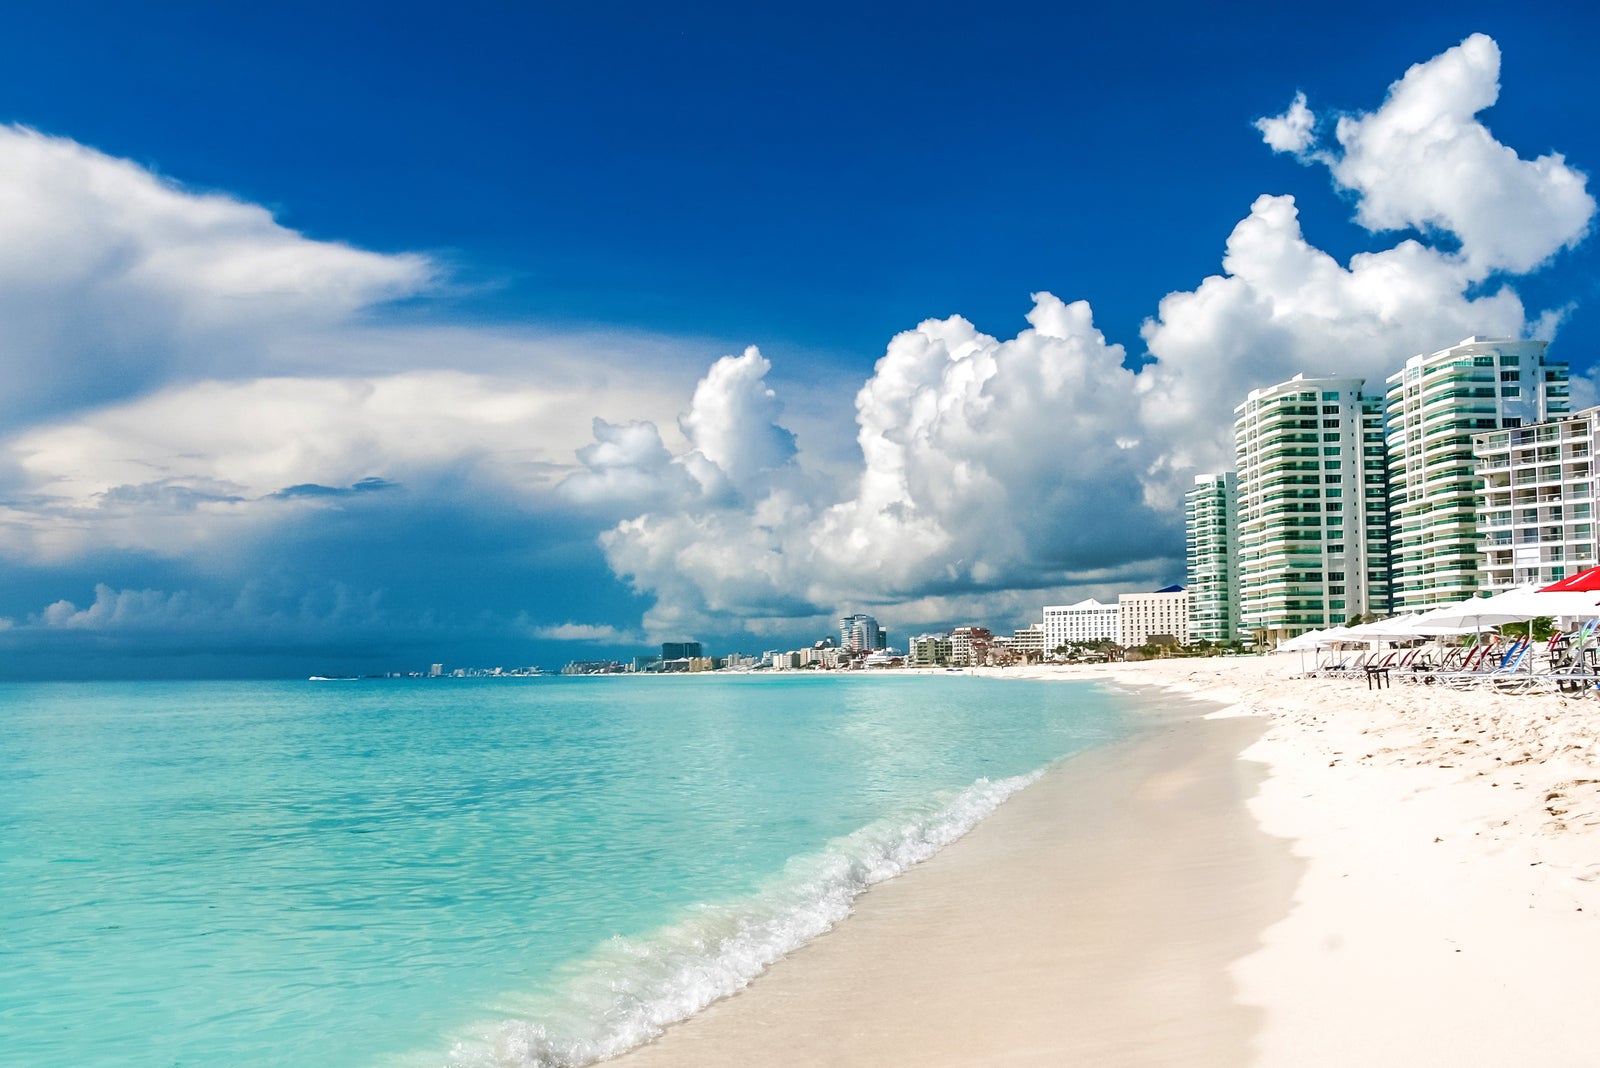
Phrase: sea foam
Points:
(631, 989)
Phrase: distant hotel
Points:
(1086, 622)
(1161, 617)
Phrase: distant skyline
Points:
(340, 339)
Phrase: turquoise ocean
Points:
(467, 872)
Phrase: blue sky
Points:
(309, 311)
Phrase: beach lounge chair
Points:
(1454, 660)
(1572, 663)
(1512, 670)
(1484, 665)
(1352, 665)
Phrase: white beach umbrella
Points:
(1445, 619)
(1423, 629)
(1478, 612)
(1311, 639)
(1396, 628)
(1536, 602)
(1341, 635)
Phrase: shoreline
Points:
(1062, 929)
(1311, 873)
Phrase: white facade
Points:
(860, 633)
(1028, 639)
(969, 646)
(1087, 621)
(1436, 404)
(1536, 521)
(789, 661)
(1143, 615)
(1313, 531)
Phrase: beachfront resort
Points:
(1464, 475)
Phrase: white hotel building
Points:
(1536, 519)
(1087, 621)
(1162, 614)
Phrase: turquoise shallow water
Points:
(478, 872)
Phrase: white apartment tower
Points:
(1313, 535)
(1436, 404)
(1211, 523)
(1536, 519)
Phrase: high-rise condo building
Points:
(861, 633)
(1313, 542)
(1436, 403)
(1211, 523)
(1536, 521)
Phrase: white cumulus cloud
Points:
(113, 279)
(733, 419)
(984, 460)
(184, 612)
(1282, 306)
(1291, 132)
(589, 633)
(1423, 161)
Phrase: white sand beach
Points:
(1447, 913)
(1281, 871)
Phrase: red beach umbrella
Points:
(1587, 581)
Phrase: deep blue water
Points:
(518, 871)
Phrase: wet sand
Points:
(1091, 920)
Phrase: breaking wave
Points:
(631, 989)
